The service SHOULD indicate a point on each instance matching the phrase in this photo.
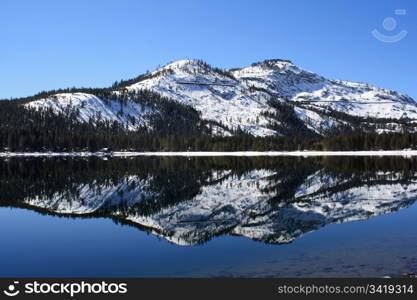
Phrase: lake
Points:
(208, 217)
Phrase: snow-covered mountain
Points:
(257, 99)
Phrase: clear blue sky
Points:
(48, 44)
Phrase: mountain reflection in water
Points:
(188, 201)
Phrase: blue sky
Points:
(48, 44)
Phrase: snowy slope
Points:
(217, 96)
(90, 107)
(240, 98)
(285, 79)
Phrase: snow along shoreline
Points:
(405, 153)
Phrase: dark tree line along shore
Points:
(177, 127)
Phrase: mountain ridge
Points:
(273, 97)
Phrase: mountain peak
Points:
(180, 63)
(186, 64)
(274, 66)
(273, 63)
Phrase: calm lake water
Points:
(208, 217)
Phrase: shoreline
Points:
(405, 153)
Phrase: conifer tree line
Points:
(179, 127)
